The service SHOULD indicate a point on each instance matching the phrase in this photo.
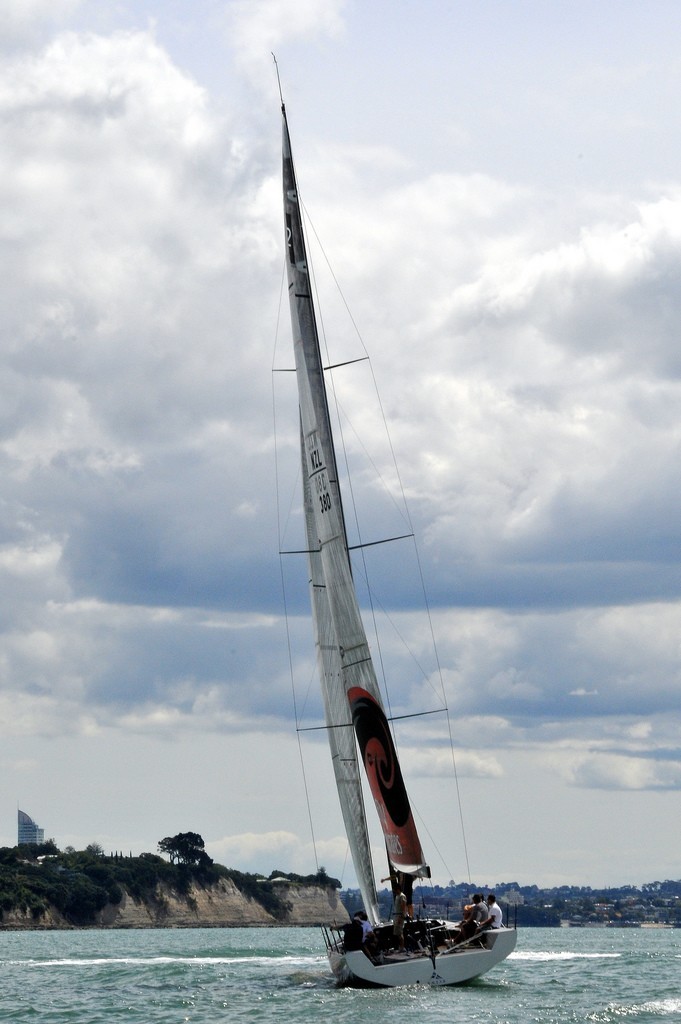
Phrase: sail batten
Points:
(348, 680)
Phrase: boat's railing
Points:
(431, 936)
(330, 942)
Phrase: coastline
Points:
(220, 905)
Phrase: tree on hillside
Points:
(185, 848)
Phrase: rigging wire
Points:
(282, 578)
(403, 509)
(344, 449)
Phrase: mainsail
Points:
(352, 699)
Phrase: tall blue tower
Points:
(27, 830)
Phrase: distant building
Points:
(28, 831)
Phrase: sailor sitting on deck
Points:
(473, 916)
(495, 919)
(369, 938)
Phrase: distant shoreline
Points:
(219, 905)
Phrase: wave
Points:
(562, 955)
(659, 1007)
(153, 961)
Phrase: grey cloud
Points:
(532, 385)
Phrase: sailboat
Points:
(356, 723)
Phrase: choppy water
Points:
(202, 976)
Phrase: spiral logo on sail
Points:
(380, 759)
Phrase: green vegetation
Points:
(35, 878)
(185, 848)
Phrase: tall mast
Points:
(352, 699)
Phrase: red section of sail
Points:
(386, 782)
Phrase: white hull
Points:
(447, 967)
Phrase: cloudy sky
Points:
(497, 188)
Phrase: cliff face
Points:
(311, 905)
(218, 906)
(22, 919)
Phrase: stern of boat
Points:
(443, 964)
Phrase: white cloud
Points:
(434, 763)
(525, 339)
(250, 846)
(539, 448)
(114, 335)
(27, 21)
(260, 26)
(281, 850)
(612, 771)
(137, 369)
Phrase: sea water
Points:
(203, 976)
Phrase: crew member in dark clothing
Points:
(353, 935)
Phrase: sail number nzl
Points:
(318, 473)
